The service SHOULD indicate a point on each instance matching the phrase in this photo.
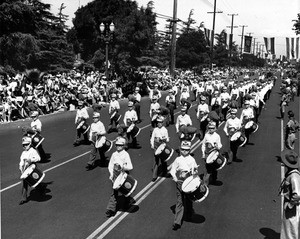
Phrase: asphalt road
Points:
(244, 205)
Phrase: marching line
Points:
(124, 214)
(282, 165)
(49, 169)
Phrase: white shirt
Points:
(232, 124)
(181, 163)
(81, 113)
(137, 96)
(247, 113)
(202, 108)
(130, 115)
(97, 128)
(123, 159)
(183, 120)
(159, 134)
(154, 107)
(28, 157)
(113, 105)
(214, 139)
(36, 125)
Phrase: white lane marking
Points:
(124, 214)
(58, 165)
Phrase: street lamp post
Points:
(107, 36)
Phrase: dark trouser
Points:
(203, 125)
(211, 174)
(171, 107)
(117, 201)
(184, 206)
(93, 154)
(137, 108)
(224, 112)
(233, 151)
(247, 134)
(24, 190)
(41, 152)
(78, 135)
(114, 122)
(156, 165)
(134, 140)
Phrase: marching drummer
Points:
(232, 125)
(183, 119)
(154, 110)
(113, 109)
(202, 113)
(246, 116)
(183, 166)
(171, 104)
(119, 162)
(28, 157)
(97, 130)
(36, 126)
(130, 118)
(137, 100)
(81, 117)
(211, 141)
(159, 136)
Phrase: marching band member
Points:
(290, 189)
(137, 100)
(183, 119)
(154, 91)
(231, 126)
(130, 118)
(246, 116)
(122, 132)
(36, 126)
(97, 130)
(292, 127)
(211, 141)
(28, 157)
(185, 94)
(81, 116)
(119, 162)
(183, 166)
(113, 108)
(202, 112)
(171, 104)
(225, 97)
(154, 111)
(159, 135)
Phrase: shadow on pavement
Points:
(269, 233)
(39, 194)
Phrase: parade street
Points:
(244, 204)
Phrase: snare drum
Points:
(194, 188)
(134, 130)
(216, 160)
(37, 139)
(83, 127)
(164, 152)
(238, 138)
(125, 184)
(32, 175)
(103, 144)
(115, 116)
(251, 126)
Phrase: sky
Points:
(261, 18)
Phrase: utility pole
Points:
(243, 26)
(231, 36)
(213, 33)
(173, 46)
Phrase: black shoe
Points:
(154, 179)
(176, 226)
(110, 213)
(23, 201)
(90, 167)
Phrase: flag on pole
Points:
(297, 48)
(270, 45)
(207, 34)
(228, 43)
(247, 44)
(292, 47)
(287, 47)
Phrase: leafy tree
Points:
(32, 37)
(297, 25)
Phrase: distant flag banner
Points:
(270, 45)
(297, 47)
(247, 44)
(292, 48)
(207, 34)
(228, 43)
